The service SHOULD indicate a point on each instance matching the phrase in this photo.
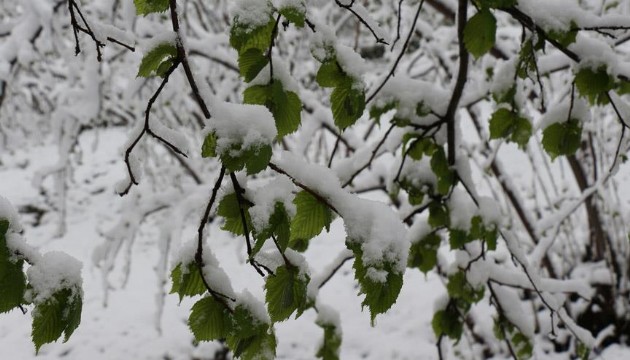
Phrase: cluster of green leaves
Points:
(58, 315)
(478, 231)
(247, 337)
(480, 30)
(379, 295)
(423, 253)
(254, 158)
(450, 320)
(505, 330)
(285, 106)
(348, 96)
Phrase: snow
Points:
(251, 126)
(252, 13)
(7, 212)
(54, 271)
(265, 198)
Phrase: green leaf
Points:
(509, 125)
(459, 288)
(12, 279)
(294, 15)
(331, 344)
(286, 293)
(278, 226)
(562, 138)
(348, 104)
(448, 322)
(594, 84)
(457, 238)
(243, 37)
(379, 295)
(423, 253)
(187, 283)
(285, 106)
(479, 34)
(61, 313)
(310, 219)
(229, 209)
(251, 62)
(209, 147)
(254, 159)
(145, 7)
(330, 74)
(565, 38)
(250, 339)
(152, 61)
(439, 165)
(209, 320)
(438, 215)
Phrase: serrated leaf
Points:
(379, 295)
(229, 209)
(251, 62)
(423, 253)
(562, 138)
(348, 104)
(480, 32)
(285, 293)
(209, 320)
(187, 283)
(593, 84)
(330, 74)
(509, 125)
(285, 106)
(278, 226)
(243, 37)
(209, 147)
(250, 339)
(61, 313)
(294, 15)
(311, 217)
(330, 345)
(145, 7)
(438, 215)
(153, 59)
(447, 322)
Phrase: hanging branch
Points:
(362, 20)
(181, 56)
(86, 29)
(147, 130)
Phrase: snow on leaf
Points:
(286, 293)
(164, 53)
(59, 314)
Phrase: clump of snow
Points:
(265, 198)
(164, 37)
(594, 53)
(20, 249)
(514, 311)
(295, 4)
(410, 93)
(462, 209)
(254, 305)
(53, 272)
(326, 315)
(503, 78)
(7, 212)
(252, 13)
(251, 126)
(490, 211)
(351, 62)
